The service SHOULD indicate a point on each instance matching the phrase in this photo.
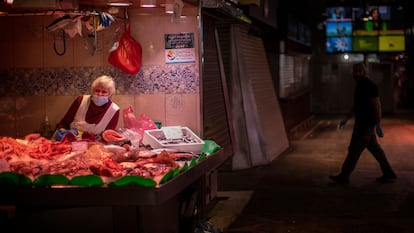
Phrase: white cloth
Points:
(80, 123)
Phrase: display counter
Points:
(109, 209)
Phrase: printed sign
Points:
(179, 48)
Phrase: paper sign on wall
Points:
(179, 48)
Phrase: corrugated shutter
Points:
(215, 114)
(245, 108)
(265, 126)
(225, 44)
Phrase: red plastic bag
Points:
(138, 125)
(129, 118)
(128, 55)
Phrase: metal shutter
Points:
(214, 92)
(265, 126)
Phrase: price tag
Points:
(173, 132)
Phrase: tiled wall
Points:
(35, 81)
(170, 79)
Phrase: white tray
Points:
(190, 142)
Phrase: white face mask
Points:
(100, 100)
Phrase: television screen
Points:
(372, 17)
(339, 28)
(339, 12)
(393, 43)
(365, 44)
(374, 28)
(339, 44)
(383, 11)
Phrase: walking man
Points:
(367, 116)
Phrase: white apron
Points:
(80, 123)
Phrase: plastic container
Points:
(189, 142)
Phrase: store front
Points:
(191, 75)
(42, 71)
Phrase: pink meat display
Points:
(35, 155)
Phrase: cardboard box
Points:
(173, 137)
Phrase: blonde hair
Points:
(105, 81)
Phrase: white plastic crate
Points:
(161, 138)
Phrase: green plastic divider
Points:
(127, 181)
(51, 179)
(210, 147)
(87, 180)
(14, 179)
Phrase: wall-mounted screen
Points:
(391, 43)
(338, 12)
(364, 29)
(338, 44)
(339, 28)
(365, 44)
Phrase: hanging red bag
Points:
(127, 56)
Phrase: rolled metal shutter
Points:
(216, 120)
(265, 126)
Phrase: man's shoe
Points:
(339, 179)
(386, 178)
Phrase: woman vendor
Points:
(93, 113)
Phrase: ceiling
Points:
(134, 3)
(21, 6)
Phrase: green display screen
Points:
(360, 29)
(365, 43)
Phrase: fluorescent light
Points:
(148, 3)
(119, 4)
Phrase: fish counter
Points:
(47, 188)
(109, 209)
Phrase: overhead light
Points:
(119, 3)
(346, 56)
(148, 3)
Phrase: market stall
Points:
(170, 204)
(136, 209)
